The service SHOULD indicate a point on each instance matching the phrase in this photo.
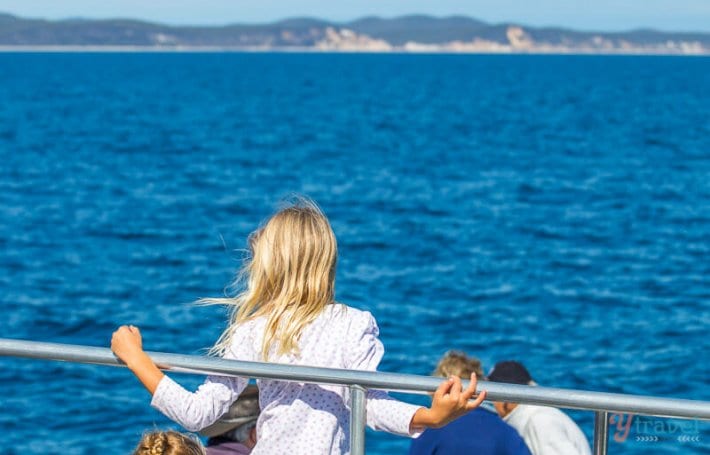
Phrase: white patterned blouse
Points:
(296, 418)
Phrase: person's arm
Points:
(127, 344)
(449, 403)
(391, 415)
(193, 410)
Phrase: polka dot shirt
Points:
(296, 418)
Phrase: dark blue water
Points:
(551, 209)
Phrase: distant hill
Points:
(423, 29)
(415, 33)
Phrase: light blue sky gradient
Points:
(680, 15)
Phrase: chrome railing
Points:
(359, 381)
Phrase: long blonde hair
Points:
(168, 443)
(289, 278)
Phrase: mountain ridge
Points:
(410, 33)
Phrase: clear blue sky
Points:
(681, 15)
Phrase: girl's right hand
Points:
(449, 403)
(127, 343)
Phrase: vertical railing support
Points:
(357, 420)
(601, 432)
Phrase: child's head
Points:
(168, 443)
(457, 363)
(293, 258)
(289, 278)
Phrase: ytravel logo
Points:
(647, 429)
(623, 425)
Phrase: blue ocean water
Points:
(551, 209)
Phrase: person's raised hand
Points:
(451, 401)
(127, 343)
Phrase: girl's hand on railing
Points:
(127, 344)
(449, 403)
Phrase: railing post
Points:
(601, 432)
(357, 420)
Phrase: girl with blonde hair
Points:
(286, 313)
(168, 443)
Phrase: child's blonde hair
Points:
(289, 279)
(168, 443)
(457, 363)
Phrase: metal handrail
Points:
(359, 381)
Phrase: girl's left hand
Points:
(127, 343)
(450, 401)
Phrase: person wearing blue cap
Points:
(546, 430)
(479, 432)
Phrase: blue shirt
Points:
(479, 432)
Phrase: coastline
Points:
(5, 49)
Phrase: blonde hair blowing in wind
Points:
(289, 278)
